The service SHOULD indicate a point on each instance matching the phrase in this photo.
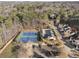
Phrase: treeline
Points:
(23, 12)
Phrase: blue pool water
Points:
(28, 36)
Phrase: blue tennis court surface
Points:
(28, 36)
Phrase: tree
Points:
(2, 20)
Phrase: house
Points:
(47, 33)
(74, 22)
